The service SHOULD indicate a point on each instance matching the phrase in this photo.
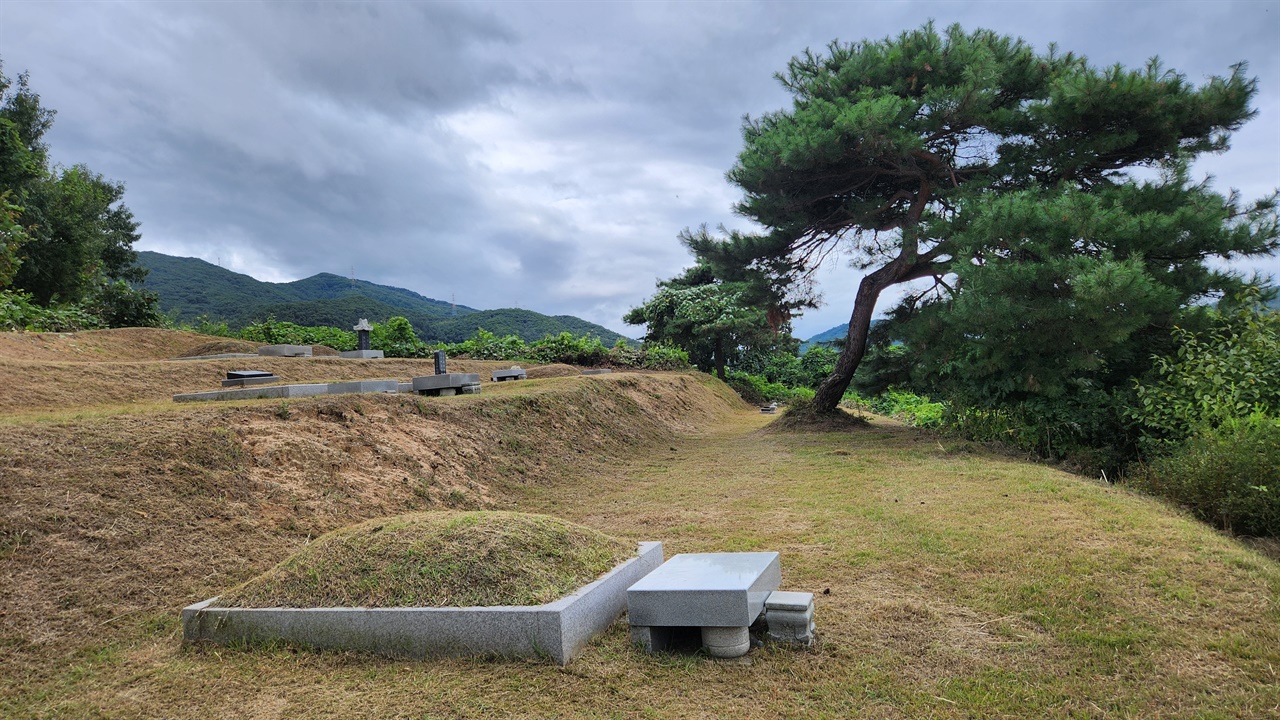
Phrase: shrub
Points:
(565, 348)
(1228, 475)
(1228, 372)
(18, 312)
(756, 389)
(395, 338)
(917, 410)
(663, 356)
(272, 332)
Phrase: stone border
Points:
(558, 630)
(292, 391)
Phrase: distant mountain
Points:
(190, 287)
(839, 332)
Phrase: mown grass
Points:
(949, 584)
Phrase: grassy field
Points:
(950, 583)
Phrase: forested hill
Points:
(190, 288)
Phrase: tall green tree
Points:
(720, 306)
(891, 146)
(77, 235)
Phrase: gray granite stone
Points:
(285, 350)
(558, 630)
(441, 362)
(240, 374)
(597, 371)
(705, 590)
(255, 380)
(405, 387)
(362, 354)
(726, 642)
(269, 392)
(429, 383)
(219, 356)
(364, 386)
(515, 373)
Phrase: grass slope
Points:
(950, 583)
(438, 559)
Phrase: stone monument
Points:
(362, 350)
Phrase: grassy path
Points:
(950, 584)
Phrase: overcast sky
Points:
(535, 155)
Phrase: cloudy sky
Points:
(538, 155)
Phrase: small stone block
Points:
(469, 389)
(405, 387)
(362, 354)
(785, 600)
(726, 642)
(597, 371)
(285, 350)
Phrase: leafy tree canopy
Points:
(931, 153)
(67, 236)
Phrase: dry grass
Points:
(949, 584)
(437, 559)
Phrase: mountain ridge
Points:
(191, 288)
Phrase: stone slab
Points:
(705, 590)
(597, 371)
(405, 387)
(514, 373)
(240, 374)
(445, 381)
(256, 380)
(285, 350)
(220, 356)
(257, 393)
(364, 386)
(559, 630)
(362, 354)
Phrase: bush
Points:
(395, 338)
(1229, 372)
(756, 389)
(1228, 475)
(565, 348)
(917, 410)
(662, 356)
(18, 312)
(271, 332)
(119, 304)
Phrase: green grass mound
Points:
(438, 559)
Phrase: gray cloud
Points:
(535, 154)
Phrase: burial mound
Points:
(438, 559)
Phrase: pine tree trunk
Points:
(718, 358)
(831, 391)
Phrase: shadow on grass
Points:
(802, 416)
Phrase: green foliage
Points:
(1227, 475)
(12, 237)
(758, 390)
(273, 332)
(66, 238)
(935, 153)
(205, 326)
(917, 410)
(1224, 373)
(661, 356)
(19, 311)
(565, 348)
(485, 345)
(395, 338)
(119, 304)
